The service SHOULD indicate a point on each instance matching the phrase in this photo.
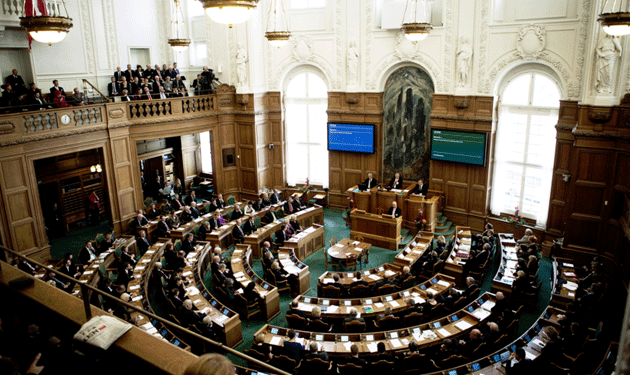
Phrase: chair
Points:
(280, 284)
(257, 222)
(256, 355)
(318, 326)
(284, 363)
(386, 289)
(388, 323)
(359, 291)
(381, 367)
(501, 341)
(511, 328)
(177, 245)
(379, 211)
(413, 319)
(413, 363)
(481, 349)
(351, 262)
(313, 366)
(408, 283)
(354, 326)
(330, 262)
(330, 291)
(350, 369)
(244, 308)
(296, 322)
(437, 311)
(196, 232)
(452, 361)
(231, 200)
(437, 267)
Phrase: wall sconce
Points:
(96, 168)
(566, 177)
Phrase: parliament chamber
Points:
(353, 202)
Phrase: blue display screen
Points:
(176, 342)
(274, 331)
(455, 318)
(423, 287)
(225, 312)
(471, 309)
(350, 137)
(437, 325)
(476, 367)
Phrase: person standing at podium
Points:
(394, 211)
(370, 182)
(420, 189)
(396, 182)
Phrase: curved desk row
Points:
(293, 265)
(426, 335)
(506, 273)
(244, 274)
(459, 255)
(372, 306)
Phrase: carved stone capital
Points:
(599, 115)
(461, 103)
(7, 127)
(352, 98)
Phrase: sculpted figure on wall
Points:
(608, 50)
(241, 65)
(464, 57)
(353, 64)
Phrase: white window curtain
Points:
(206, 152)
(525, 147)
(306, 100)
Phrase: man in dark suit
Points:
(118, 74)
(396, 182)
(56, 87)
(125, 274)
(275, 197)
(112, 88)
(354, 357)
(359, 281)
(186, 215)
(518, 363)
(370, 182)
(163, 229)
(420, 188)
(270, 216)
(288, 206)
(474, 340)
(125, 257)
(189, 243)
(69, 269)
(220, 203)
(176, 203)
(16, 81)
(148, 72)
(87, 253)
(143, 242)
(237, 232)
(394, 211)
(250, 226)
(281, 236)
(194, 210)
(471, 286)
(298, 201)
(129, 73)
(187, 316)
(139, 222)
(190, 198)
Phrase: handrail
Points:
(97, 90)
(86, 293)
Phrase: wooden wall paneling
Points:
(125, 177)
(190, 154)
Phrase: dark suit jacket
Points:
(275, 198)
(269, 216)
(524, 367)
(143, 244)
(124, 257)
(53, 89)
(420, 190)
(398, 185)
(15, 81)
(188, 246)
(238, 233)
(371, 184)
(162, 227)
(186, 217)
(249, 227)
(288, 208)
(118, 75)
(124, 277)
(280, 237)
(110, 89)
(84, 255)
(398, 211)
(177, 205)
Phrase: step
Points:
(442, 228)
(442, 220)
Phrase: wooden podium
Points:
(378, 230)
(428, 205)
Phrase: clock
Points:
(65, 119)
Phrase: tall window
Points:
(206, 152)
(306, 4)
(525, 146)
(306, 100)
(197, 21)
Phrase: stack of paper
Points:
(463, 325)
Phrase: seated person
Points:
(314, 352)
(187, 215)
(250, 294)
(270, 216)
(125, 274)
(69, 269)
(237, 213)
(249, 209)
(267, 259)
(471, 286)
(293, 348)
(260, 346)
(281, 235)
(353, 316)
(404, 275)
(219, 202)
(525, 238)
(121, 311)
(163, 230)
(188, 317)
(354, 357)
(213, 206)
(142, 242)
(176, 203)
(297, 202)
(358, 276)
(385, 314)
(518, 363)
(159, 274)
(258, 205)
(382, 355)
(250, 226)
(87, 254)
(166, 207)
(238, 233)
(396, 182)
(189, 243)
(204, 229)
(429, 304)
(289, 207)
(337, 284)
(265, 200)
(173, 220)
(190, 198)
(295, 224)
(394, 211)
(214, 221)
(194, 210)
(126, 257)
(420, 189)
(275, 197)
(370, 181)
(474, 340)
(453, 296)
(153, 213)
(521, 283)
(288, 231)
(180, 261)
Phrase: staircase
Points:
(444, 228)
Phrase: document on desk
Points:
(275, 340)
(372, 347)
(375, 277)
(463, 325)
(428, 334)
(443, 283)
(394, 303)
(444, 332)
(480, 313)
(395, 343)
(379, 305)
(134, 287)
(432, 291)
(239, 274)
(389, 273)
(88, 272)
(347, 345)
(327, 280)
(332, 308)
(488, 305)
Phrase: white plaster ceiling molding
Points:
(302, 48)
(405, 49)
(531, 41)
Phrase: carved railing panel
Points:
(150, 108)
(198, 104)
(87, 115)
(39, 122)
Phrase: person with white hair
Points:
(525, 238)
(187, 316)
(121, 311)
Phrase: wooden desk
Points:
(222, 236)
(243, 273)
(429, 207)
(427, 335)
(414, 250)
(384, 199)
(370, 307)
(386, 271)
(308, 241)
(506, 273)
(379, 230)
(293, 265)
(347, 248)
(460, 253)
(363, 200)
(564, 282)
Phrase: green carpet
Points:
(74, 241)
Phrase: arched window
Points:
(525, 146)
(306, 101)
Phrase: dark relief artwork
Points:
(407, 102)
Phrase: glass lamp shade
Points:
(278, 43)
(278, 38)
(416, 31)
(416, 37)
(48, 37)
(615, 23)
(180, 48)
(47, 29)
(230, 15)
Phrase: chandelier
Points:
(46, 21)
(276, 34)
(229, 12)
(414, 30)
(179, 40)
(617, 20)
